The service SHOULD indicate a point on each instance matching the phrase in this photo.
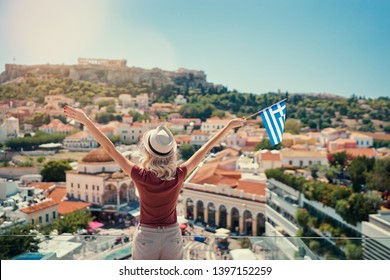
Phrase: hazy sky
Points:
(322, 46)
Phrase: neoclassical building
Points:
(222, 198)
(99, 180)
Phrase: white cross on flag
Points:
(273, 119)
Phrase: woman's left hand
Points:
(76, 114)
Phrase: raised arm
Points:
(196, 158)
(103, 140)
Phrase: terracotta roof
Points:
(217, 120)
(57, 194)
(377, 136)
(66, 207)
(251, 187)
(344, 140)
(228, 173)
(179, 138)
(199, 132)
(311, 154)
(356, 152)
(300, 147)
(38, 207)
(228, 151)
(78, 135)
(252, 140)
(42, 186)
(98, 155)
(270, 156)
(206, 171)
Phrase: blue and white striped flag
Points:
(273, 120)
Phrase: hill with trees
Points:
(205, 99)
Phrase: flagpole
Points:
(262, 110)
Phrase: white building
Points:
(7, 188)
(212, 125)
(43, 213)
(268, 159)
(222, 198)
(9, 129)
(180, 100)
(80, 141)
(98, 180)
(362, 141)
(376, 236)
(303, 158)
(199, 138)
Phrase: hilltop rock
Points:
(106, 74)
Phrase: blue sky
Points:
(307, 46)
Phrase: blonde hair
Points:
(163, 168)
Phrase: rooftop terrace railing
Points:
(118, 246)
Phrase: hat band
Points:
(155, 151)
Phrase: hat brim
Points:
(145, 141)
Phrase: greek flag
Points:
(273, 120)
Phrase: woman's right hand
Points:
(76, 114)
(236, 122)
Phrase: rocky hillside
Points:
(106, 74)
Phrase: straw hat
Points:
(160, 142)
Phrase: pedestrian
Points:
(158, 180)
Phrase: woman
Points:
(158, 181)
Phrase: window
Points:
(93, 199)
(32, 221)
(71, 184)
(93, 187)
(367, 143)
(86, 186)
(290, 162)
(47, 218)
(301, 163)
(98, 200)
(97, 187)
(86, 197)
(78, 186)
(40, 219)
(310, 162)
(78, 196)
(54, 214)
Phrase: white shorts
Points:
(164, 243)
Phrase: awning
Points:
(135, 213)
(94, 225)
(181, 220)
(222, 230)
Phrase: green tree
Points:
(292, 126)
(302, 217)
(265, 144)
(38, 119)
(379, 178)
(339, 159)
(358, 171)
(186, 151)
(54, 171)
(72, 222)
(17, 240)
(218, 114)
(353, 251)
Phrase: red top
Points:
(158, 197)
